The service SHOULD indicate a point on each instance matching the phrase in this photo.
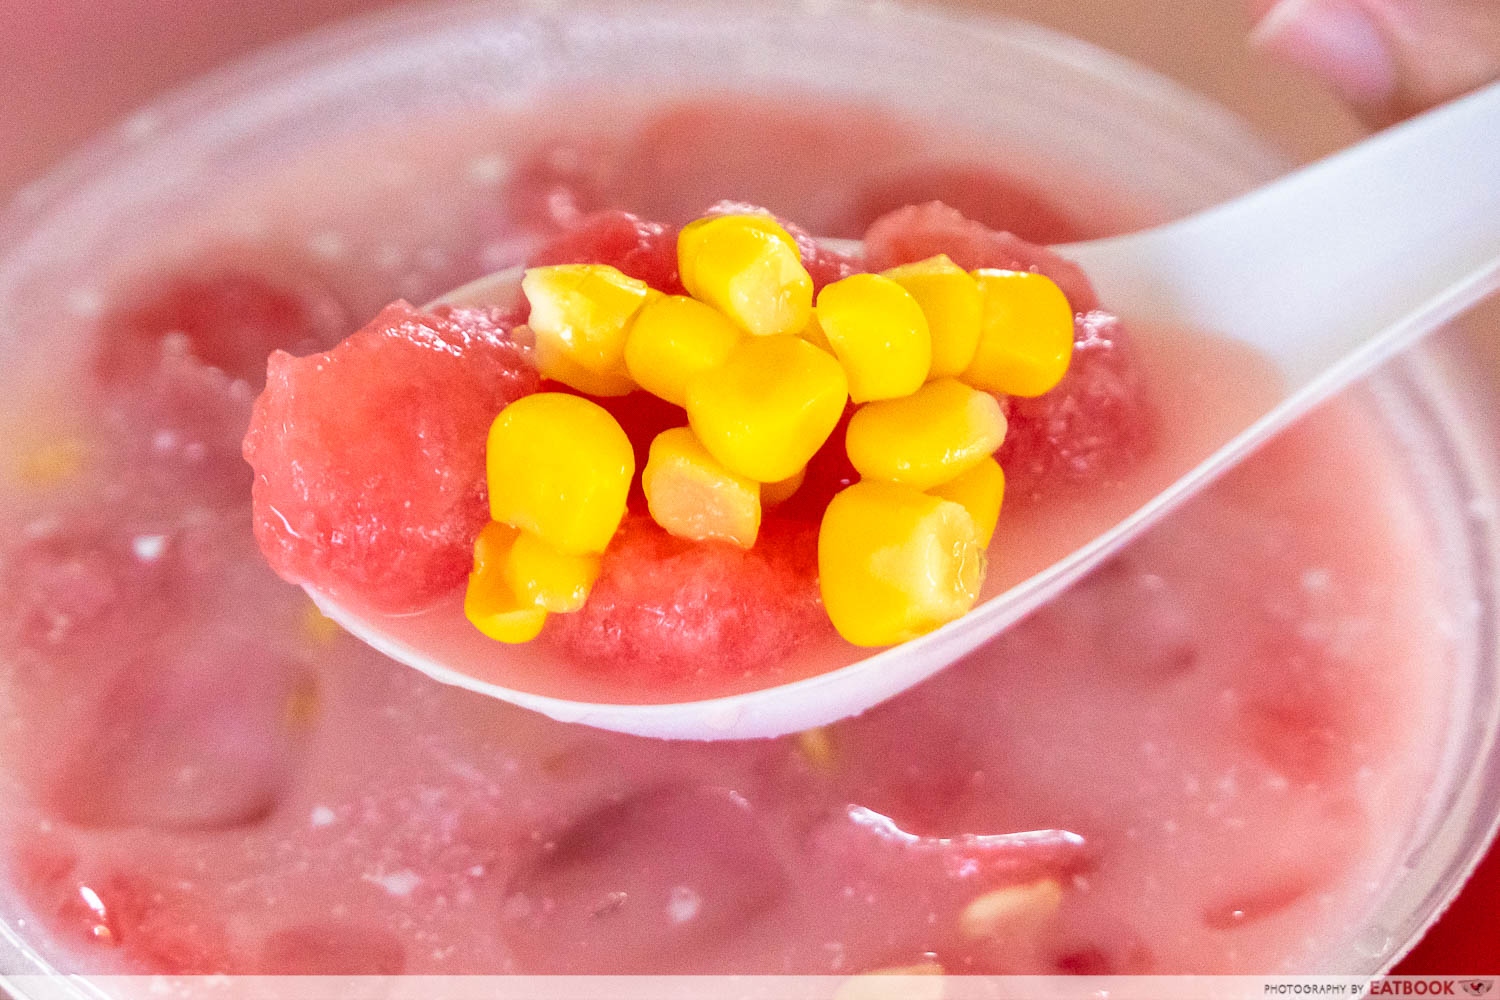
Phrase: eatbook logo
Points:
(1417, 986)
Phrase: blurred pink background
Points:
(70, 67)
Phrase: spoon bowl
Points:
(1327, 272)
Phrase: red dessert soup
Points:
(1167, 769)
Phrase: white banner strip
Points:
(866, 987)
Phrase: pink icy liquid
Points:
(202, 776)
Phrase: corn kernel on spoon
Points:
(1328, 272)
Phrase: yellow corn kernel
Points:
(816, 746)
(1013, 907)
(939, 432)
(559, 466)
(950, 299)
(53, 463)
(553, 362)
(878, 333)
(489, 603)
(980, 491)
(673, 340)
(779, 492)
(583, 312)
(894, 563)
(541, 576)
(1026, 334)
(749, 269)
(317, 627)
(692, 496)
(768, 408)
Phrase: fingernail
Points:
(1336, 40)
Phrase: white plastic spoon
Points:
(1327, 271)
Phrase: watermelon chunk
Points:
(665, 610)
(369, 458)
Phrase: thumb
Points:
(1387, 58)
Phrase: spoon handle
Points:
(1339, 265)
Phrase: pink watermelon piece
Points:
(152, 925)
(230, 317)
(331, 948)
(644, 250)
(666, 610)
(635, 884)
(1099, 420)
(917, 232)
(979, 192)
(1097, 423)
(369, 458)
